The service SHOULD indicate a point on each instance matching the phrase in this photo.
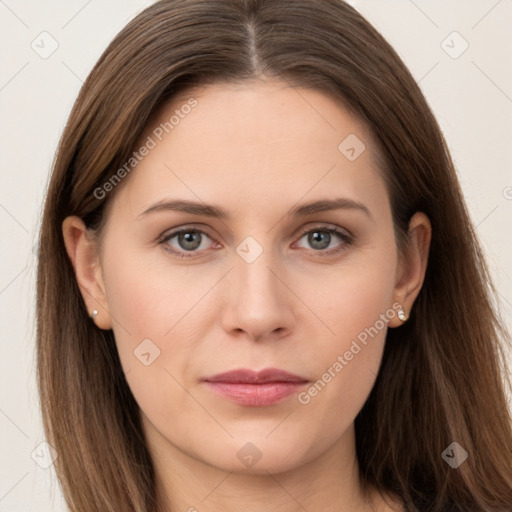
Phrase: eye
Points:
(320, 238)
(188, 240)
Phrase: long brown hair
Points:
(443, 373)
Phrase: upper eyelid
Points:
(203, 229)
(326, 226)
(176, 231)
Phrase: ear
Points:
(82, 250)
(412, 265)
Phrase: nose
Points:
(259, 302)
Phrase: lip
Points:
(255, 388)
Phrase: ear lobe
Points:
(412, 265)
(82, 250)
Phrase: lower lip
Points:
(256, 395)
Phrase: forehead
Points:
(256, 143)
(261, 109)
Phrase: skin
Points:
(256, 150)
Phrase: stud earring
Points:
(94, 314)
(402, 315)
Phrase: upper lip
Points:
(248, 376)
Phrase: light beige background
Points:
(471, 96)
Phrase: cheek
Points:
(145, 308)
(156, 309)
(148, 299)
(356, 294)
(357, 307)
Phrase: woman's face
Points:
(265, 285)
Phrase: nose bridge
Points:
(254, 262)
(260, 303)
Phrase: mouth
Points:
(256, 389)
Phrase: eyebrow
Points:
(208, 210)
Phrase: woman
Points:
(258, 285)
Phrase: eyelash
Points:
(347, 239)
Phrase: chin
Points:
(257, 457)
